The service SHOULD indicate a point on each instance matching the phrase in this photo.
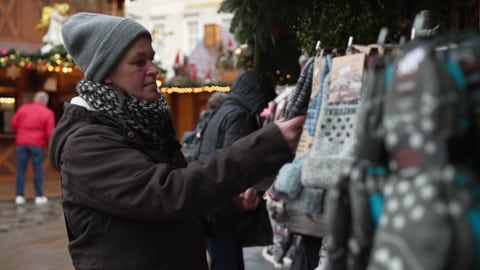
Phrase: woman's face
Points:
(135, 73)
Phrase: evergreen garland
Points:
(279, 29)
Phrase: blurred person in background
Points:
(33, 124)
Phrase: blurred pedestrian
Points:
(33, 124)
(192, 139)
(129, 198)
(244, 220)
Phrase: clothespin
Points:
(423, 25)
(350, 45)
(412, 34)
(350, 42)
(382, 36)
(317, 46)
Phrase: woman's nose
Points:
(152, 69)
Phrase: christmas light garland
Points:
(59, 61)
(54, 62)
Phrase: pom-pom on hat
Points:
(96, 42)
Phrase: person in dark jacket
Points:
(192, 139)
(234, 225)
(129, 199)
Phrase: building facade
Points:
(177, 26)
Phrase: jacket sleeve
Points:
(111, 177)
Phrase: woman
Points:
(128, 199)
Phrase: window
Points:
(159, 43)
(193, 35)
(225, 23)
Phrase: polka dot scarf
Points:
(150, 119)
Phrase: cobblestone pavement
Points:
(34, 237)
(14, 217)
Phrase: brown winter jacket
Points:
(126, 209)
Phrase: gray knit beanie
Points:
(96, 42)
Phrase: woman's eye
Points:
(140, 62)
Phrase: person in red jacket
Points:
(33, 124)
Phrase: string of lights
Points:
(54, 62)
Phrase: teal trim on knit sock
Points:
(473, 216)
(457, 74)
(376, 207)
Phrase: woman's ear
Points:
(108, 80)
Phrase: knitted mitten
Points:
(429, 213)
(338, 222)
(428, 223)
(298, 100)
(335, 138)
(310, 200)
(287, 185)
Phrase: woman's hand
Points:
(247, 200)
(292, 130)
